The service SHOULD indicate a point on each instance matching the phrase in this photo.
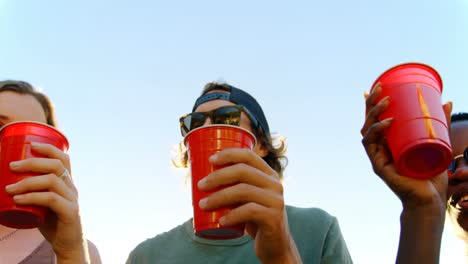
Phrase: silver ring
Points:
(64, 174)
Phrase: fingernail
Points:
(378, 88)
(222, 220)
(35, 144)
(214, 157)
(387, 120)
(202, 203)
(18, 198)
(385, 101)
(201, 183)
(10, 188)
(14, 164)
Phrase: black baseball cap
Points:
(238, 97)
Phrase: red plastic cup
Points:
(418, 137)
(15, 144)
(201, 143)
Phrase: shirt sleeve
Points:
(335, 250)
(133, 258)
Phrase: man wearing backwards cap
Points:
(275, 232)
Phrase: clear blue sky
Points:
(121, 73)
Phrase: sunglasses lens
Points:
(197, 119)
(451, 168)
(227, 116)
(185, 124)
(191, 121)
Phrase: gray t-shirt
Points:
(316, 233)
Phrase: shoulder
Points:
(317, 235)
(319, 216)
(160, 241)
(311, 222)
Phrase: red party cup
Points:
(15, 144)
(201, 143)
(418, 137)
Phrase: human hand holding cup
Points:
(418, 137)
(201, 144)
(15, 145)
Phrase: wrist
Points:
(286, 258)
(290, 255)
(424, 211)
(74, 259)
(421, 234)
(435, 204)
(77, 255)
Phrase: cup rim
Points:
(37, 123)
(426, 66)
(219, 125)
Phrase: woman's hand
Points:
(55, 190)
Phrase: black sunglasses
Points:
(226, 115)
(453, 165)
